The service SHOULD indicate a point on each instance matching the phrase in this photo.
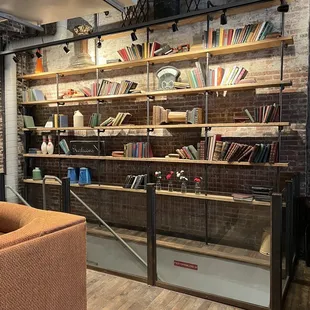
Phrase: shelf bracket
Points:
(280, 128)
(100, 101)
(150, 129)
(150, 97)
(100, 130)
(61, 103)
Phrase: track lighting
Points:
(224, 18)
(133, 35)
(175, 26)
(38, 53)
(15, 58)
(283, 7)
(99, 43)
(66, 48)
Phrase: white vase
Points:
(50, 146)
(44, 146)
(78, 119)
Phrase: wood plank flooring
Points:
(107, 292)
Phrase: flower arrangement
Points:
(158, 175)
(181, 176)
(169, 175)
(197, 179)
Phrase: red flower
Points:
(198, 179)
(169, 175)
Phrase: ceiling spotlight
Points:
(106, 13)
(38, 53)
(15, 58)
(224, 18)
(133, 35)
(99, 43)
(66, 48)
(175, 26)
(283, 7)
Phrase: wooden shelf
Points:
(161, 193)
(158, 159)
(174, 92)
(231, 49)
(175, 126)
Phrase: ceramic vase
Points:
(50, 146)
(44, 146)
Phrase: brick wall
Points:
(231, 224)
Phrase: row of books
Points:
(32, 94)
(139, 51)
(218, 150)
(138, 150)
(259, 153)
(109, 88)
(264, 114)
(249, 33)
(121, 118)
(135, 181)
(187, 152)
(229, 76)
(195, 76)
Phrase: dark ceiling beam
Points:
(20, 21)
(116, 5)
(148, 24)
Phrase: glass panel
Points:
(126, 214)
(219, 247)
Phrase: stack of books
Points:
(218, 150)
(262, 193)
(249, 33)
(264, 114)
(136, 181)
(195, 76)
(94, 120)
(114, 88)
(242, 197)
(138, 150)
(230, 76)
(138, 51)
(121, 118)
(33, 95)
(188, 152)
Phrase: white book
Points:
(230, 75)
(233, 82)
(260, 31)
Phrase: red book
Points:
(210, 37)
(225, 37)
(213, 78)
(199, 81)
(220, 73)
(155, 47)
(230, 35)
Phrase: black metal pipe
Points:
(288, 228)
(65, 194)
(2, 187)
(147, 24)
(276, 253)
(151, 234)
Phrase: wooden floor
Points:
(107, 292)
(197, 247)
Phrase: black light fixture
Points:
(66, 48)
(175, 26)
(99, 43)
(38, 53)
(224, 18)
(16, 59)
(283, 7)
(133, 35)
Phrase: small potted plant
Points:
(158, 180)
(169, 179)
(197, 181)
(183, 179)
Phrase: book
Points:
(28, 121)
(249, 115)
(64, 146)
(242, 197)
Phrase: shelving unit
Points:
(156, 159)
(231, 49)
(161, 193)
(149, 96)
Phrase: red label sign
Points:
(185, 265)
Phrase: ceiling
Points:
(49, 11)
